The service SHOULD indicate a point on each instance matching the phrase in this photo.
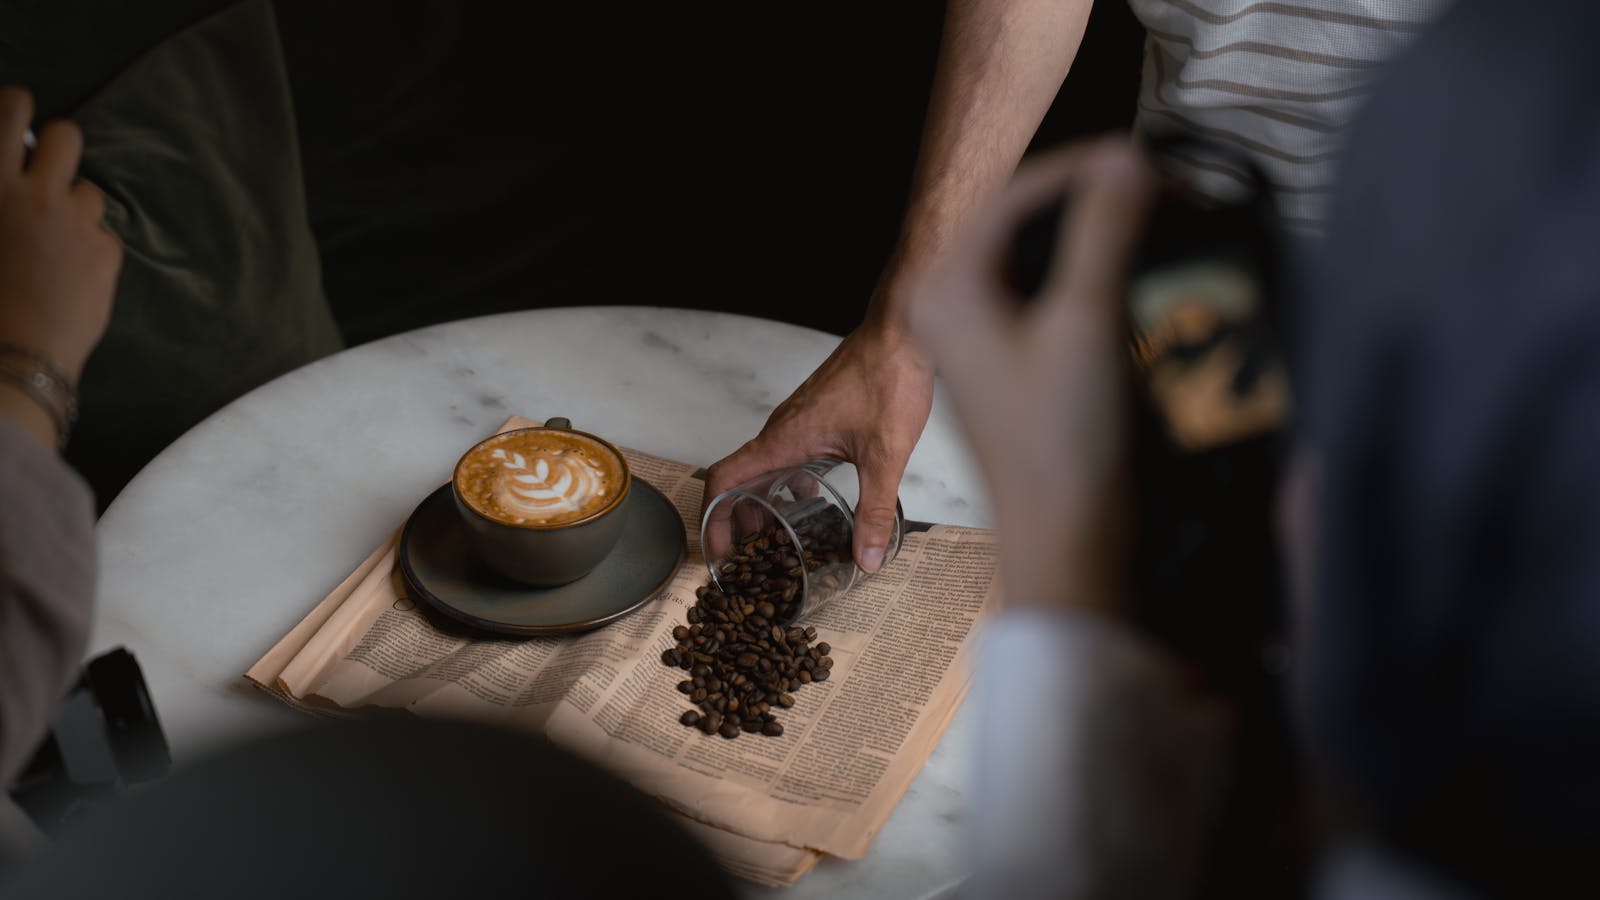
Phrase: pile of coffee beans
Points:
(741, 664)
(743, 657)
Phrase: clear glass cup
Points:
(750, 534)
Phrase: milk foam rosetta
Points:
(541, 477)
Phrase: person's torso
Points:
(1276, 81)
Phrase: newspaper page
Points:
(851, 745)
(762, 862)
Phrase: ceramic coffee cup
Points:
(543, 506)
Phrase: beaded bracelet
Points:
(44, 383)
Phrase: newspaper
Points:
(765, 807)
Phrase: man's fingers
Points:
(758, 456)
(16, 111)
(875, 509)
(1038, 182)
(91, 203)
(60, 146)
(749, 461)
(1106, 189)
(1113, 190)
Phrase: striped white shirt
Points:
(1276, 81)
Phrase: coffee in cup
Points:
(543, 505)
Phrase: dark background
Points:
(747, 159)
(469, 157)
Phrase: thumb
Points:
(875, 512)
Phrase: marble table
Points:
(230, 536)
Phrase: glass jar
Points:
(750, 535)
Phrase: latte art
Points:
(549, 485)
(540, 477)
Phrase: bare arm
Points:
(1000, 66)
(58, 270)
(1112, 796)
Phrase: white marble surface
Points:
(228, 537)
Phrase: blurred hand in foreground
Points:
(58, 269)
(1040, 388)
(58, 266)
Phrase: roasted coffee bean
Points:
(785, 700)
(772, 729)
(728, 730)
(690, 718)
(805, 676)
(681, 632)
(685, 686)
(745, 660)
(698, 695)
(751, 726)
(821, 674)
(824, 648)
(811, 633)
(825, 662)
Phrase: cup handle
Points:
(560, 422)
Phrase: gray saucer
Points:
(443, 571)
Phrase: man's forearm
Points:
(1000, 66)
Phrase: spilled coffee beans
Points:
(764, 569)
(743, 660)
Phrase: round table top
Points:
(231, 535)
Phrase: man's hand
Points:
(1040, 390)
(867, 403)
(1000, 65)
(58, 266)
